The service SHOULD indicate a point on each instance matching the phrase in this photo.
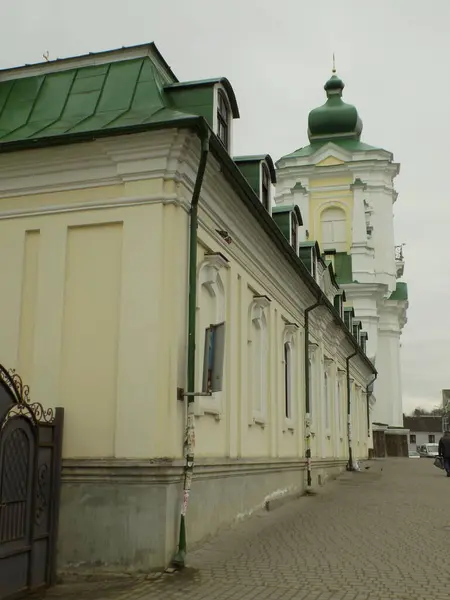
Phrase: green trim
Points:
(209, 83)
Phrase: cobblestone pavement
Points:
(381, 534)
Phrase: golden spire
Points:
(334, 64)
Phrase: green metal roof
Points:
(210, 82)
(343, 267)
(89, 99)
(258, 159)
(335, 117)
(400, 293)
(286, 208)
(346, 144)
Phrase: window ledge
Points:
(288, 425)
(259, 419)
(209, 406)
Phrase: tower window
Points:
(223, 119)
(334, 229)
(265, 187)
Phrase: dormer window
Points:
(265, 187)
(338, 305)
(223, 119)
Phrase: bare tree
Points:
(423, 412)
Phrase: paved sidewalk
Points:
(375, 535)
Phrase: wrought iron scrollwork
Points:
(21, 395)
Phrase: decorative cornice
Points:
(216, 259)
(290, 329)
(358, 185)
(312, 349)
(257, 308)
(99, 163)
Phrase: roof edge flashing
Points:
(92, 59)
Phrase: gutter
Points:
(350, 466)
(189, 440)
(367, 400)
(318, 303)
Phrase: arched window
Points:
(287, 380)
(211, 310)
(223, 119)
(257, 357)
(334, 229)
(327, 401)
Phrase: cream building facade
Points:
(96, 238)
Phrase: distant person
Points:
(444, 451)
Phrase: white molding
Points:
(289, 332)
(209, 269)
(120, 202)
(104, 162)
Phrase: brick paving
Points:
(381, 534)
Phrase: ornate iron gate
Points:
(30, 477)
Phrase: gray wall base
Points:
(123, 516)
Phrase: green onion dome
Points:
(335, 118)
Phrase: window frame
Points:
(411, 440)
(290, 372)
(265, 195)
(223, 114)
(431, 441)
(211, 278)
(287, 380)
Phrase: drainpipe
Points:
(189, 440)
(368, 403)
(349, 410)
(307, 395)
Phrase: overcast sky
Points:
(394, 57)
